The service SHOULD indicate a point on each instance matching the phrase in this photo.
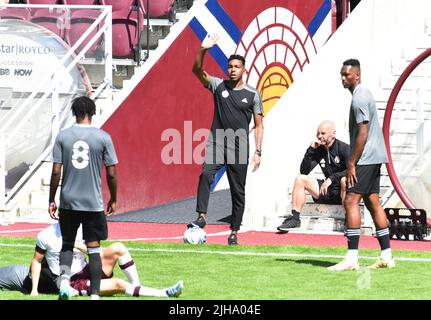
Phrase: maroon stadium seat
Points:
(42, 1)
(125, 5)
(158, 8)
(125, 29)
(125, 36)
(84, 2)
(50, 19)
(80, 21)
(120, 5)
(142, 6)
(15, 13)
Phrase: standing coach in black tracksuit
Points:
(332, 155)
(235, 103)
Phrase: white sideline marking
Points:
(221, 233)
(16, 245)
(244, 253)
(273, 254)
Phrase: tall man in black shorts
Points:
(332, 156)
(81, 151)
(368, 152)
(235, 103)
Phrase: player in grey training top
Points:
(81, 151)
(84, 149)
(368, 153)
(14, 277)
(18, 278)
(363, 109)
(235, 103)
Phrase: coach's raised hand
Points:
(210, 40)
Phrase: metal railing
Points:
(47, 88)
(420, 131)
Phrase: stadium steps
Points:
(403, 123)
(319, 218)
(31, 202)
(316, 217)
(403, 141)
(402, 152)
(327, 218)
(158, 29)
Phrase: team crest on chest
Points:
(225, 94)
(337, 160)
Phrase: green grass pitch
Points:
(219, 272)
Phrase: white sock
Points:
(352, 256)
(145, 291)
(386, 254)
(65, 283)
(128, 266)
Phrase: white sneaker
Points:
(383, 264)
(175, 290)
(344, 265)
(66, 292)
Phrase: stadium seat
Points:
(84, 2)
(125, 33)
(80, 21)
(123, 5)
(141, 6)
(43, 2)
(125, 29)
(120, 5)
(15, 13)
(50, 19)
(158, 8)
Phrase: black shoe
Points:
(199, 222)
(289, 223)
(232, 240)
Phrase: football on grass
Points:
(195, 235)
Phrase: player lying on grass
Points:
(44, 272)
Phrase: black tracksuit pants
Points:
(236, 174)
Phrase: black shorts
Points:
(94, 226)
(47, 281)
(332, 197)
(368, 179)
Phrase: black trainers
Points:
(232, 240)
(199, 222)
(289, 223)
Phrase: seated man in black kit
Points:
(332, 156)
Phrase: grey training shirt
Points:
(234, 107)
(12, 277)
(82, 149)
(233, 110)
(363, 109)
